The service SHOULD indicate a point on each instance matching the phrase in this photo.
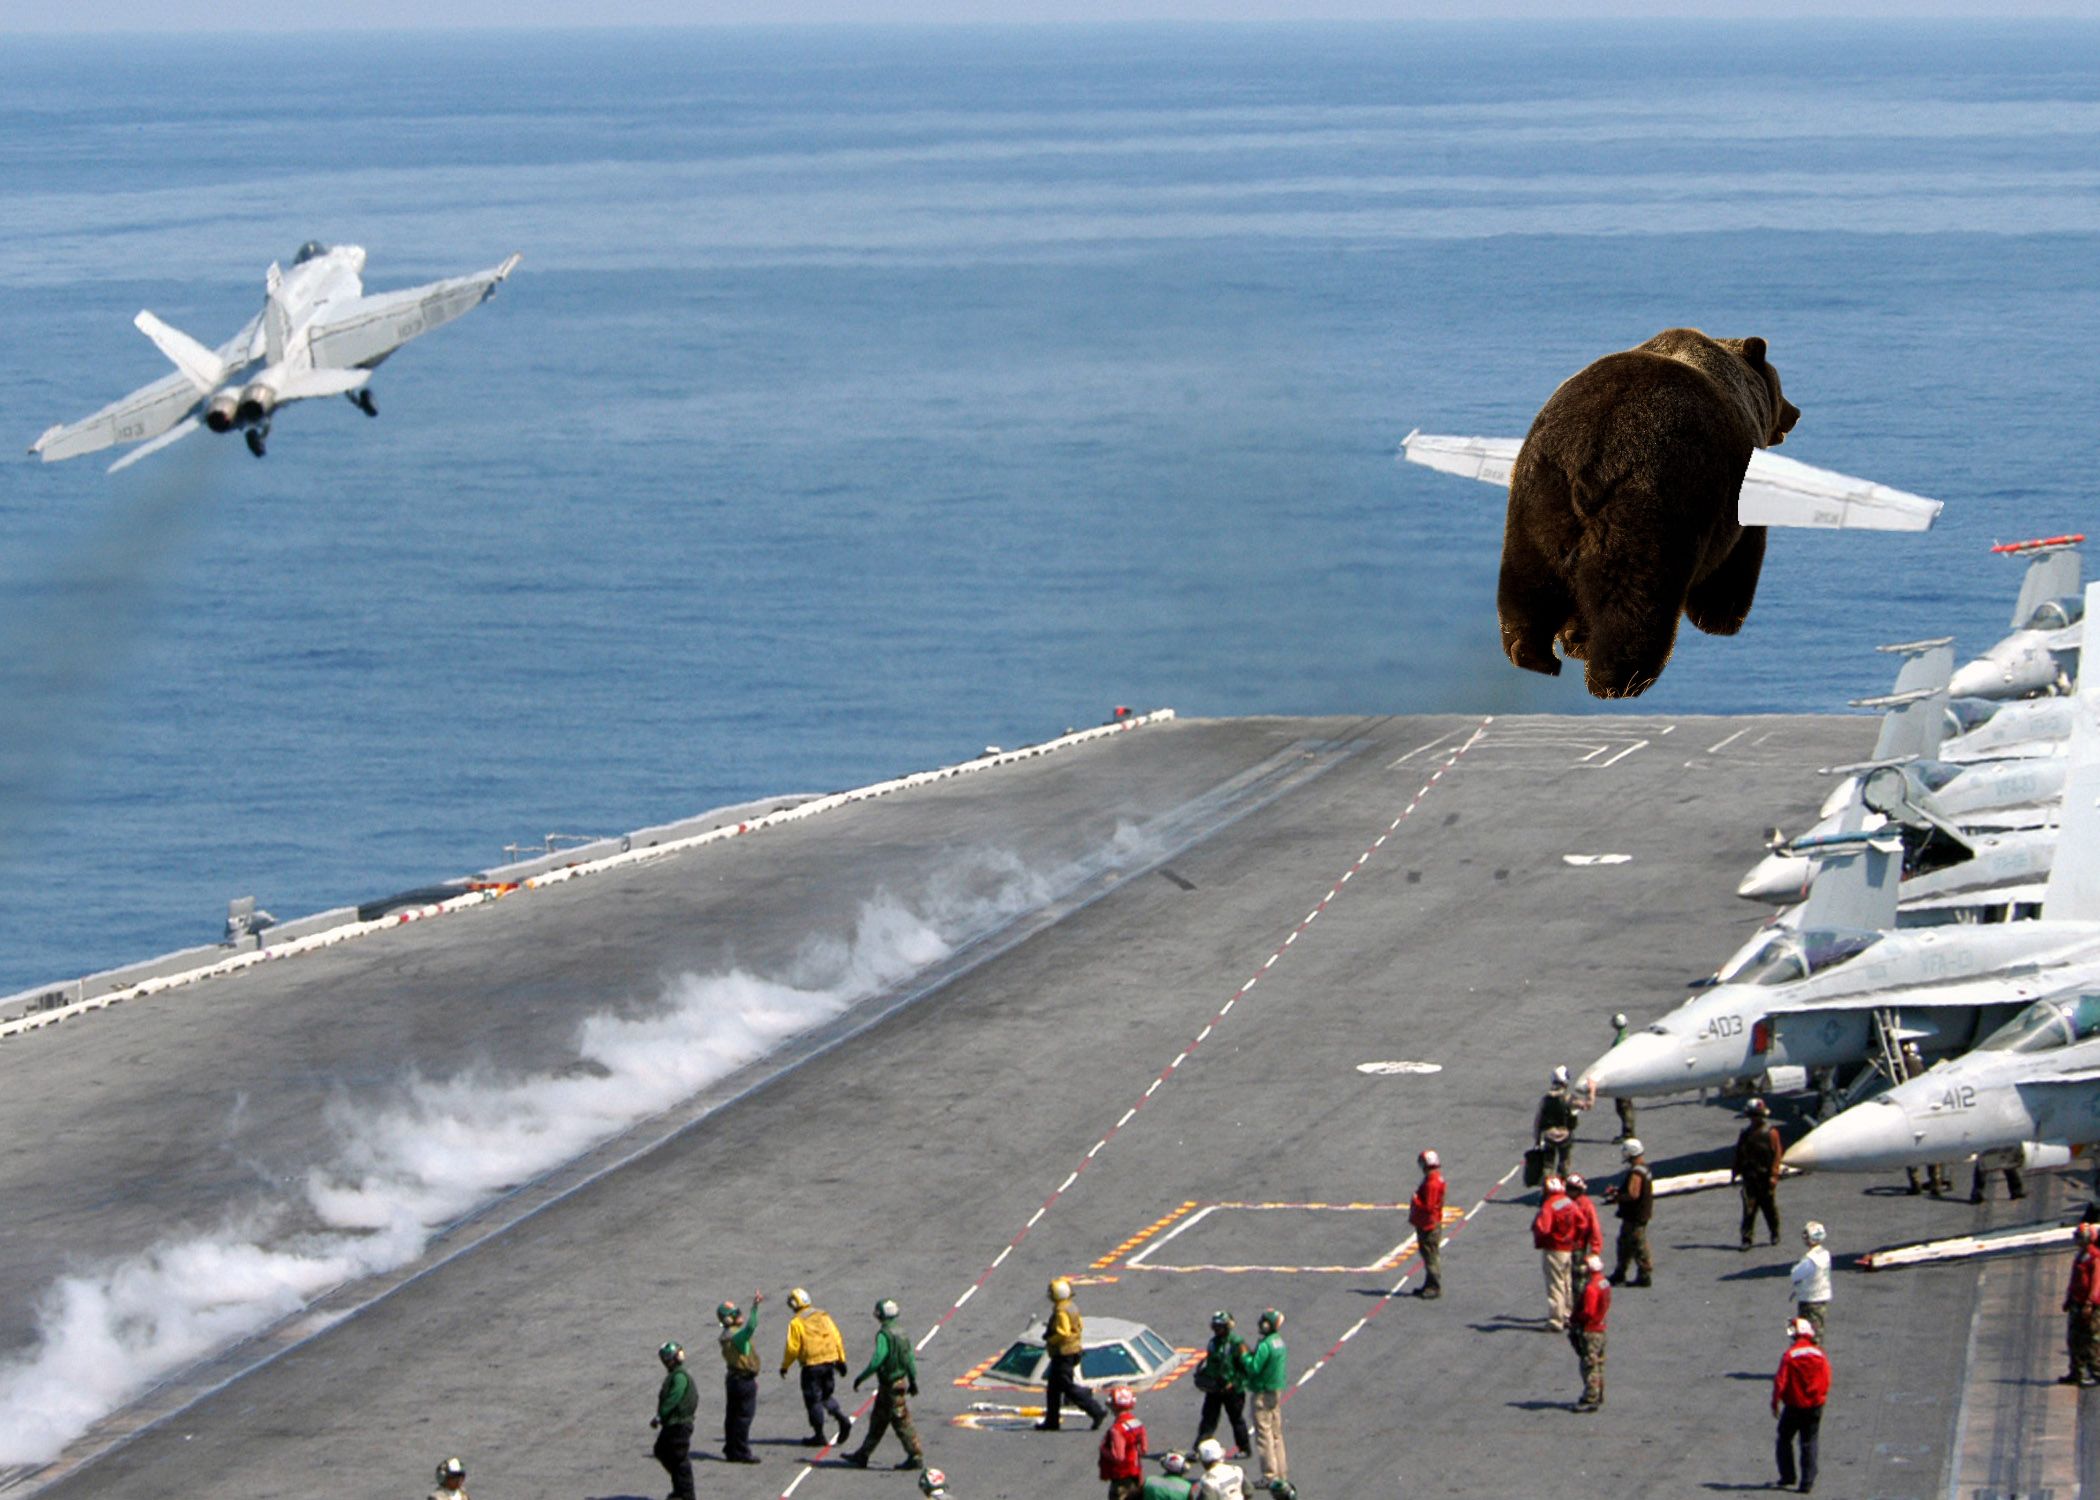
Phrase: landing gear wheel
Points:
(362, 400)
(255, 436)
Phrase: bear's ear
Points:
(1754, 350)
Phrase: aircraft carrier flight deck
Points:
(1130, 1012)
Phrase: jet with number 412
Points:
(318, 334)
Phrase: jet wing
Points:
(1992, 989)
(145, 413)
(1776, 491)
(365, 330)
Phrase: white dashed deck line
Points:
(1636, 745)
(1716, 749)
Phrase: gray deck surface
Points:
(903, 1158)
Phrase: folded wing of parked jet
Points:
(1776, 491)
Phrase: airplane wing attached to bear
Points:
(1776, 491)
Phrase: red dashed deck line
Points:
(1383, 1302)
(1164, 1074)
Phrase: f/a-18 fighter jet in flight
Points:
(318, 334)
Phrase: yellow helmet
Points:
(798, 1299)
(1060, 1289)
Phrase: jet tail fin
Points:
(2053, 573)
(2073, 892)
(277, 322)
(1917, 704)
(1857, 877)
(203, 368)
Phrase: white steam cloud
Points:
(444, 1146)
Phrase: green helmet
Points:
(886, 1309)
(671, 1354)
(728, 1313)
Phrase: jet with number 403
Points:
(318, 334)
(1843, 989)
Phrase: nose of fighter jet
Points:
(1869, 1137)
(1981, 678)
(1776, 877)
(1645, 1063)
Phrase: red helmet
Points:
(1122, 1398)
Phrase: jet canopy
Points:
(2046, 1025)
(1785, 957)
(2055, 614)
(311, 250)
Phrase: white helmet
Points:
(1560, 1074)
(1060, 1289)
(1633, 1147)
(798, 1299)
(1618, 1019)
(933, 1482)
(1800, 1328)
(1430, 1159)
(1594, 1264)
(1211, 1451)
(1174, 1463)
(1554, 1185)
(451, 1468)
(1812, 1232)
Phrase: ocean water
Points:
(866, 397)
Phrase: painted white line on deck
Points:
(1636, 745)
(1724, 744)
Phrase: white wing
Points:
(1776, 491)
(147, 412)
(362, 332)
(1786, 492)
(1487, 459)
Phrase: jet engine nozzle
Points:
(223, 412)
(257, 402)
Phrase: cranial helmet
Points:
(1577, 1183)
(1619, 1019)
(1800, 1328)
(1220, 1320)
(1060, 1289)
(798, 1299)
(1122, 1398)
(2084, 1234)
(451, 1468)
(1271, 1319)
(1594, 1263)
(1756, 1108)
(1560, 1074)
(670, 1354)
(1211, 1451)
(1554, 1185)
(1430, 1159)
(728, 1313)
(1633, 1147)
(886, 1309)
(1812, 1232)
(933, 1482)
(1174, 1463)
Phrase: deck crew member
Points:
(934, 1485)
(813, 1341)
(1425, 1211)
(1800, 1387)
(1756, 1167)
(677, 1403)
(1123, 1447)
(1219, 1479)
(451, 1481)
(1592, 1241)
(1556, 1231)
(1635, 1196)
(1811, 1279)
(1266, 1372)
(2082, 1313)
(739, 1378)
(1553, 1127)
(1173, 1482)
(1620, 1102)
(1979, 1180)
(1937, 1178)
(896, 1372)
(1218, 1377)
(1586, 1333)
(1064, 1335)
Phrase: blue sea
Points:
(869, 396)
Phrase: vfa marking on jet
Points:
(1942, 987)
(318, 334)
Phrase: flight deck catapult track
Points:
(482, 892)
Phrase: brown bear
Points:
(1622, 508)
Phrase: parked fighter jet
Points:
(2028, 1096)
(2016, 729)
(1821, 999)
(318, 334)
(2041, 654)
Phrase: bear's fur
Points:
(1622, 508)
